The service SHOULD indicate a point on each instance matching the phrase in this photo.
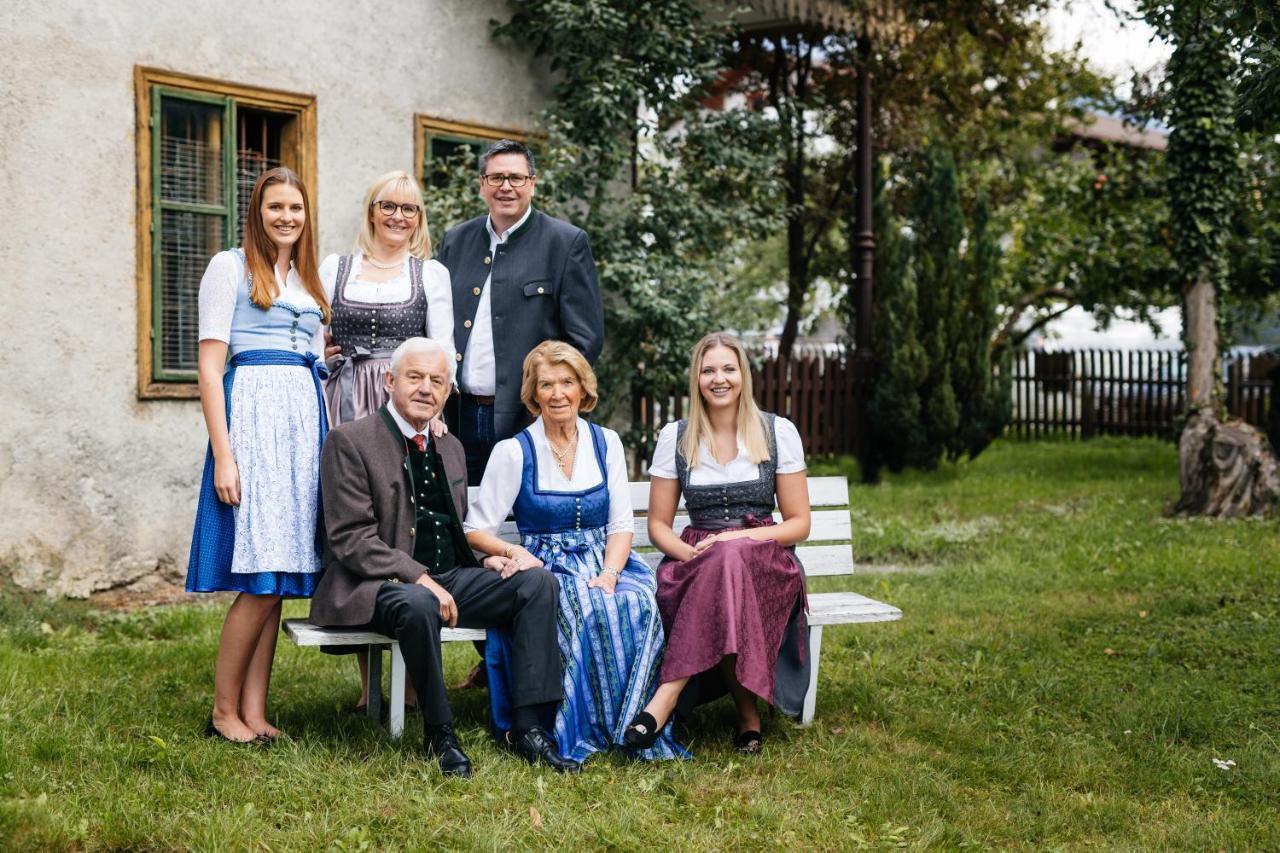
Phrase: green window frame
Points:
(202, 145)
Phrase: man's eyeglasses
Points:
(407, 210)
(498, 180)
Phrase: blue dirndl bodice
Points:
(541, 511)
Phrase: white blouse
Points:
(222, 280)
(740, 469)
(501, 483)
(435, 284)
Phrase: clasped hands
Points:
(516, 559)
(703, 544)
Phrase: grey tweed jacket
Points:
(369, 520)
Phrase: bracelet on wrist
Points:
(609, 570)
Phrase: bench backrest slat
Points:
(826, 552)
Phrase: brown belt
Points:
(478, 400)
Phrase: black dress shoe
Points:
(442, 744)
(748, 742)
(536, 747)
(642, 732)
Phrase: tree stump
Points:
(1226, 470)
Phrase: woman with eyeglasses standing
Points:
(385, 291)
(388, 289)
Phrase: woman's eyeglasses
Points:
(389, 208)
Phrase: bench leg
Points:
(374, 708)
(815, 657)
(397, 692)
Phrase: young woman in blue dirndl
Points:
(257, 530)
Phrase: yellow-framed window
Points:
(438, 140)
(201, 145)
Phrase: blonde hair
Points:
(552, 354)
(391, 182)
(751, 429)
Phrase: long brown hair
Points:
(260, 249)
(751, 430)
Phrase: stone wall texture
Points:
(97, 487)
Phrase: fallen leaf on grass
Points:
(1142, 614)
(535, 817)
(1223, 765)
(1109, 652)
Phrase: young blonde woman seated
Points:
(731, 591)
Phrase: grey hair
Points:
(507, 146)
(426, 345)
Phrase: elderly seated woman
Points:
(566, 481)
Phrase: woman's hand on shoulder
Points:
(438, 427)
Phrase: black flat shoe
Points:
(748, 742)
(537, 747)
(211, 731)
(442, 744)
(642, 732)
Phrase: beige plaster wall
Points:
(97, 487)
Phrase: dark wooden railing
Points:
(1078, 393)
(1083, 393)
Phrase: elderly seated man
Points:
(397, 558)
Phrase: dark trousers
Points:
(473, 425)
(524, 603)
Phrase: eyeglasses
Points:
(407, 210)
(498, 180)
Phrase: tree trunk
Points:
(1225, 470)
(1200, 337)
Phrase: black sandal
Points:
(748, 742)
(642, 732)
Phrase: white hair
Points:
(426, 345)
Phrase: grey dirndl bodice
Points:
(369, 327)
(721, 505)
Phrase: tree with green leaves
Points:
(669, 192)
(1226, 468)
(936, 393)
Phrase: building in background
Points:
(132, 134)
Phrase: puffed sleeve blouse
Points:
(740, 469)
(435, 286)
(219, 286)
(501, 483)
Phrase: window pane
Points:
(258, 145)
(191, 152)
(441, 154)
(187, 242)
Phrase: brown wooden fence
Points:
(1078, 393)
(1083, 393)
(819, 392)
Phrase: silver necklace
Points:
(561, 454)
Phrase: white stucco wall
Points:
(97, 487)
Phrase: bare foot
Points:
(263, 729)
(233, 728)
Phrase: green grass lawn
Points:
(1069, 667)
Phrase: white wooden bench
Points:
(827, 552)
